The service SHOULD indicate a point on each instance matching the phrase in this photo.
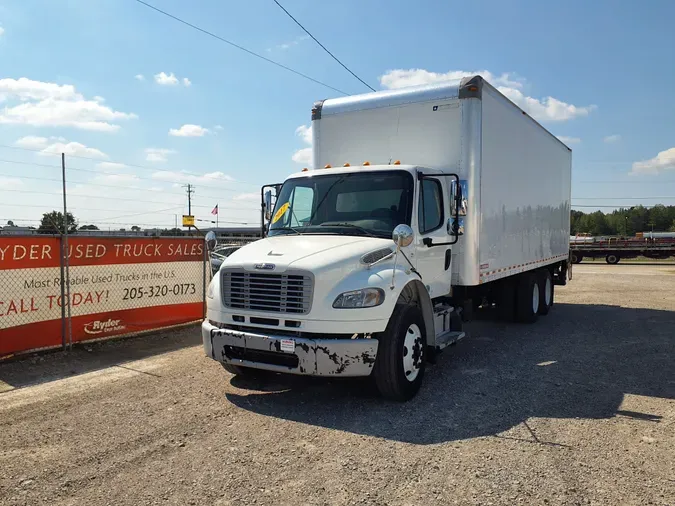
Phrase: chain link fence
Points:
(97, 288)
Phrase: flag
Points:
(215, 210)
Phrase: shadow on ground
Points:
(578, 362)
(88, 357)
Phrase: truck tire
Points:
(401, 354)
(528, 298)
(546, 291)
(236, 369)
(612, 259)
(577, 258)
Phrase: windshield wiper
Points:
(291, 229)
(350, 225)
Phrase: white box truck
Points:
(422, 204)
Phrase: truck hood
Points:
(305, 251)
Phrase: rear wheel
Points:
(401, 355)
(577, 258)
(612, 259)
(545, 292)
(527, 298)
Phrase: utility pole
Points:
(190, 190)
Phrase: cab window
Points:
(430, 210)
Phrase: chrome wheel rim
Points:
(412, 352)
(535, 298)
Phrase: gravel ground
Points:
(578, 408)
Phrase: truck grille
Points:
(274, 293)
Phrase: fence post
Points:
(64, 240)
(206, 264)
(63, 292)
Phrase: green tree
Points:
(88, 227)
(136, 228)
(672, 227)
(10, 223)
(52, 223)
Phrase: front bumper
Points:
(313, 357)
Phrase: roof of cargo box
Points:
(460, 88)
(468, 87)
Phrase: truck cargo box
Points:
(515, 174)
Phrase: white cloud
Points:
(612, 138)
(401, 78)
(61, 146)
(32, 142)
(183, 177)
(2, 31)
(49, 104)
(544, 109)
(170, 79)
(569, 140)
(158, 154)
(139, 77)
(166, 79)
(304, 155)
(287, 45)
(73, 149)
(218, 127)
(665, 160)
(27, 89)
(189, 131)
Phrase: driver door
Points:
(433, 262)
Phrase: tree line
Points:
(624, 222)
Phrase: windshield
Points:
(358, 203)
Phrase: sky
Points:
(141, 104)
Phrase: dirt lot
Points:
(576, 409)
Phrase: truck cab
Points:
(346, 248)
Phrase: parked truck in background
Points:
(650, 245)
(421, 204)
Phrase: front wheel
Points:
(401, 355)
(612, 259)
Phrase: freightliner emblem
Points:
(265, 267)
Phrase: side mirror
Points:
(210, 240)
(403, 235)
(268, 205)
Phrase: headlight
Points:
(366, 297)
(209, 291)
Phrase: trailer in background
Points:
(652, 245)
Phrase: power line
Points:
(101, 197)
(323, 47)
(237, 46)
(126, 188)
(135, 166)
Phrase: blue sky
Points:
(608, 67)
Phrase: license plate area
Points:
(262, 356)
